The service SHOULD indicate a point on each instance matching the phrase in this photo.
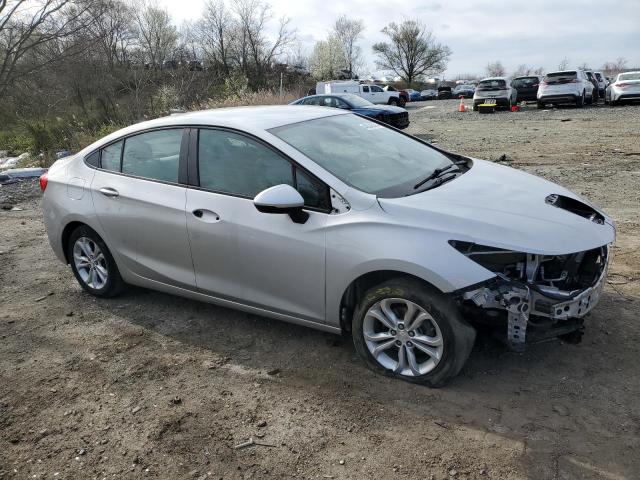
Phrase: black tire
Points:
(540, 105)
(580, 101)
(114, 283)
(457, 335)
(475, 107)
(394, 101)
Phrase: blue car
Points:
(414, 95)
(395, 116)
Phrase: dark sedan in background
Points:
(395, 116)
(526, 88)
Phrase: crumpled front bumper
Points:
(522, 301)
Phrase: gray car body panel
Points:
(266, 264)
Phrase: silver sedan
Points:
(323, 218)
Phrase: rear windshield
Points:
(561, 77)
(629, 76)
(525, 82)
(492, 85)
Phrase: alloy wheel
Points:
(90, 263)
(403, 337)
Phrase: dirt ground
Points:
(148, 385)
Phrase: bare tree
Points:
(214, 35)
(28, 28)
(115, 31)
(564, 64)
(524, 70)
(257, 53)
(411, 51)
(347, 32)
(495, 69)
(158, 36)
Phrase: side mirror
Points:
(282, 199)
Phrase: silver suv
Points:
(568, 86)
(323, 218)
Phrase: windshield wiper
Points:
(438, 172)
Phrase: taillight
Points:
(543, 83)
(575, 80)
(43, 181)
(620, 84)
(536, 84)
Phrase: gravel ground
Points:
(153, 386)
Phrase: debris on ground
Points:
(504, 158)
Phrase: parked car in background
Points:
(323, 218)
(444, 93)
(463, 90)
(626, 87)
(602, 83)
(404, 96)
(494, 89)
(414, 95)
(397, 117)
(526, 88)
(567, 86)
(373, 93)
(594, 95)
(429, 94)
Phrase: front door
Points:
(141, 206)
(240, 254)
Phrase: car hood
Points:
(379, 109)
(502, 207)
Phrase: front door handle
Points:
(109, 192)
(206, 215)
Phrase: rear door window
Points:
(154, 155)
(110, 159)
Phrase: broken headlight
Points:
(506, 262)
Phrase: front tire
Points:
(407, 330)
(540, 105)
(92, 263)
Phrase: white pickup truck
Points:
(373, 93)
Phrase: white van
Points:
(373, 93)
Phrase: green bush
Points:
(16, 142)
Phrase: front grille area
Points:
(399, 119)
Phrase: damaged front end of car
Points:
(541, 296)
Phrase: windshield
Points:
(560, 77)
(356, 101)
(629, 76)
(363, 153)
(492, 85)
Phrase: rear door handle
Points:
(109, 192)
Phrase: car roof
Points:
(248, 119)
(494, 78)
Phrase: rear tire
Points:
(423, 339)
(540, 105)
(580, 101)
(92, 263)
(394, 101)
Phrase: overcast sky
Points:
(535, 32)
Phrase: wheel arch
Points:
(364, 282)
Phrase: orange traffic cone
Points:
(462, 107)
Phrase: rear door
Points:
(240, 254)
(140, 204)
